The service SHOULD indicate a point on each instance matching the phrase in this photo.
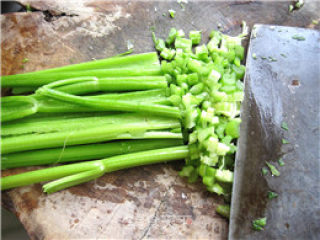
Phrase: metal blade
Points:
(282, 84)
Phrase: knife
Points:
(280, 120)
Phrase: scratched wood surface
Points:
(143, 203)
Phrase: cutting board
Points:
(149, 202)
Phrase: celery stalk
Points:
(134, 63)
(85, 135)
(107, 104)
(83, 152)
(97, 167)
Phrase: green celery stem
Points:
(145, 158)
(115, 84)
(43, 175)
(110, 164)
(60, 124)
(25, 83)
(83, 152)
(22, 90)
(112, 105)
(82, 136)
(138, 61)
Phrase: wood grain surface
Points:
(142, 203)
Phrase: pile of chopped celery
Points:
(205, 82)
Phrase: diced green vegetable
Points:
(299, 4)
(285, 141)
(259, 224)
(298, 37)
(264, 171)
(224, 176)
(172, 13)
(195, 37)
(291, 7)
(28, 8)
(172, 36)
(254, 56)
(272, 195)
(273, 169)
(223, 210)
(281, 162)
(284, 126)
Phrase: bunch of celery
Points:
(129, 111)
(205, 84)
(115, 109)
(59, 88)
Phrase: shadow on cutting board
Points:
(11, 228)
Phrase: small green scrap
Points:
(291, 7)
(223, 210)
(281, 162)
(28, 8)
(180, 2)
(264, 171)
(272, 59)
(254, 32)
(299, 4)
(283, 55)
(259, 223)
(284, 126)
(263, 57)
(172, 13)
(273, 169)
(254, 56)
(272, 195)
(298, 37)
(25, 60)
(285, 141)
(315, 22)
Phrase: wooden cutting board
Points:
(145, 202)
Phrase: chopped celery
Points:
(183, 43)
(216, 188)
(224, 176)
(281, 162)
(285, 141)
(232, 128)
(264, 171)
(223, 210)
(195, 37)
(172, 13)
(259, 224)
(273, 169)
(272, 195)
(284, 126)
(172, 36)
(167, 53)
(208, 82)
